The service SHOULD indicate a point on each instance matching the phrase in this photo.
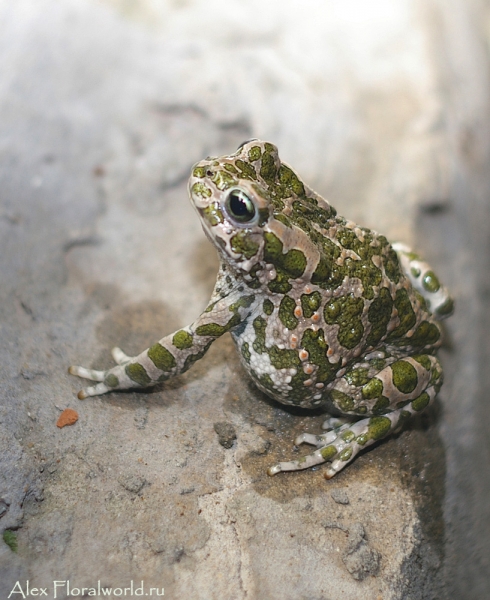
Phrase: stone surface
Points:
(383, 108)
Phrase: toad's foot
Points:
(340, 446)
(103, 377)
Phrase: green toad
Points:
(323, 312)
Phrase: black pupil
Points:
(241, 207)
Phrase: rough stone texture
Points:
(381, 106)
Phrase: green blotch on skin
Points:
(332, 311)
(378, 363)
(286, 312)
(381, 405)
(426, 334)
(424, 303)
(423, 360)
(430, 282)
(403, 418)
(366, 245)
(162, 358)
(259, 326)
(310, 303)
(328, 453)
(283, 219)
(212, 329)
(231, 169)
(201, 190)
(357, 377)
(316, 346)
(402, 403)
(436, 378)
(446, 308)
(280, 285)
(306, 211)
(213, 214)
(10, 538)
(346, 312)
(138, 374)
(263, 216)
(111, 381)
(346, 454)
(282, 358)
(405, 314)
(216, 330)
(266, 382)
(254, 282)
(182, 340)
(192, 358)
(342, 401)
(404, 376)
(245, 350)
(348, 436)
(243, 243)
(210, 307)
(367, 272)
(412, 255)
(223, 180)
(254, 153)
(379, 315)
(272, 248)
(289, 178)
(199, 172)
(373, 389)
(378, 427)
(421, 402)
(322, 271)
(362, 439)
(392, 266)
(268, 307)
(293, 262)
(242, 302)
(247, 171)
(268, 169)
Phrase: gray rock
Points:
(339, 496)
(132, 483)
(226, 433)
(359, 559)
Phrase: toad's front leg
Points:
(105, 378)
(172, 355)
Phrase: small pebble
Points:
(132, 483)
(226, 434)
(67, 417)
(339, 496)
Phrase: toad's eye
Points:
(239, 206)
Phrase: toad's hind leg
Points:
(425, 281)
(387, 414)
(341, 446)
